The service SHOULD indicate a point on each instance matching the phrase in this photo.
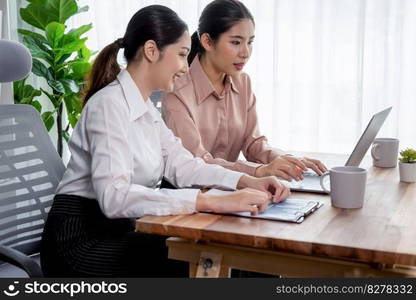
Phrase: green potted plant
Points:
(407, 165)
(60, 58)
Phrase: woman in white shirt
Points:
(121, 149)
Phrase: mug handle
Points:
(322, 182)
(373, 151)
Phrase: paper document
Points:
(290, 210)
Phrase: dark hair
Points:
(216, 18)
(154, 22)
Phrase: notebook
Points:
(291, 210)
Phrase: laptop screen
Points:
(367, 138)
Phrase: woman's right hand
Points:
(286, 167)
(245, 200)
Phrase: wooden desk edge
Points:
(267, 243)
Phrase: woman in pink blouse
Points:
(213, 108)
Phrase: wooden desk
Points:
(376, 240)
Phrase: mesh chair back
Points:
(30, 170)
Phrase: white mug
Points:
(384, 152)
(347, 186)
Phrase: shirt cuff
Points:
(230, 179)
(247, 167)
(187, 203)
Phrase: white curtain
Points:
(320, 68)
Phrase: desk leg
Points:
(225, 272)
(192, 270)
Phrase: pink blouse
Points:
(217, 127)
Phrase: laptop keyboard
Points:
(310, 182)
(310, 173)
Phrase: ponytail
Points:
(196, 47)
(104, 70)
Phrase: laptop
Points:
(311, 181)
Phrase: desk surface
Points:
(383, 231)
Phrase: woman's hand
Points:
(276, 190)
(254, 195)
(290, 167)
(245, 200)
(315, 165)
(286, 167)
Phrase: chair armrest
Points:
(20, 260)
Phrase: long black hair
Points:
(216, 18)
(154, 22)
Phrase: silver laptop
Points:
(311, 181)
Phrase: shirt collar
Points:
(203, 85)
(134, 98)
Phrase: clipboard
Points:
(290, 210)
(293, 210)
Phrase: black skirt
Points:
(80, 241)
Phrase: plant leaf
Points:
(77, 32)
(36, 104)
(70, 86)
(72, 46)
(66, 135)
(35, 15)
(48, 119)
(73, 103)
(62, 9)
(25, 93)
(40, 13)
(39, 69)
(50, 96)
(33, 35)
(54, 33)
(80, 70)
(57, 86)
(83, 9)
(29, 91)
(72, 118)
(73, 109)
(37, 48)
(62, 59)
(18, 90)
(85, 53)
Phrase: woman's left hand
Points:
(277, 190)
(313, 164)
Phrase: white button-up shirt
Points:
(121, 148)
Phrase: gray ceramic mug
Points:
(347, 186)
(384, 152)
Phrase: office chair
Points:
(15, 61)
(30, 170)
